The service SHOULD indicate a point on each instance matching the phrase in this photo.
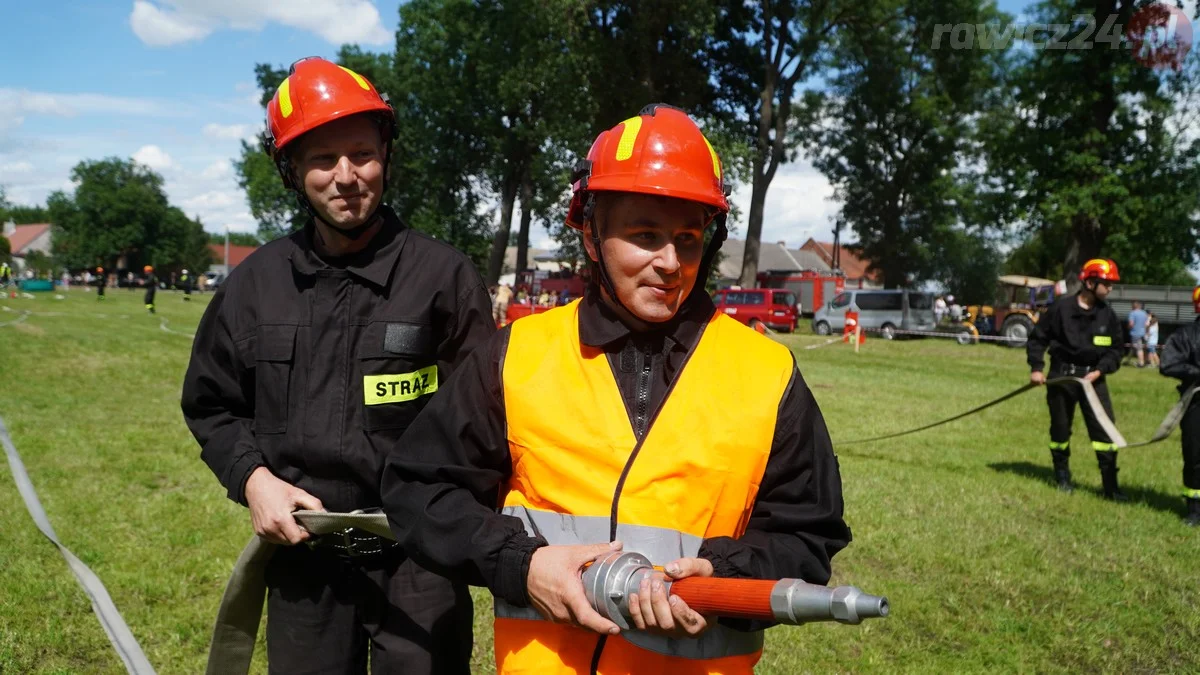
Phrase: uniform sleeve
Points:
(218, 401)
(1178, 360)
(796, 525)
(1039, 340)
(440, 493)
(1110, 360)
(470, 323)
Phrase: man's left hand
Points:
(1092, 376)
(652, 610)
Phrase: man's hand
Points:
(555, 585)
(272, 502)
(1092, 376)
(1037, 377)
(652, 610)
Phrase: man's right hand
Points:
(1037, 377)
(555, 585)
(272, 502)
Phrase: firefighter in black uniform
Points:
(100, 283)
(1181, 360)
(309, 364)
(1085, 340)
(151, 287)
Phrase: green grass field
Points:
(987, 566)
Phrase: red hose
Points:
(733, 598)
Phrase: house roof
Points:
(24, 236)
(771, 257)
(236, 253)
(853, 266)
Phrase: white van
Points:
(883, 310)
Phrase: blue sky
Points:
(171, 84)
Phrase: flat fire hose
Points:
(1172, 420)
(114, 626)
(236, 629)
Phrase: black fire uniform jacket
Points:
(314, 368)
(1089, 338)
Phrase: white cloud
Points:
(168, 22)
(157, 28)
(17, 104)
(227, 132)
(15, 168)
(798, 206)
(217, 170)
(215, 199)
(153, 157)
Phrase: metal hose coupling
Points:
(610, 581)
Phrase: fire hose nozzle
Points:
(610, 581)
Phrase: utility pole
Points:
(836, 254)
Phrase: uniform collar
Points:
(1096, 305)
(375, 263)
(599, 325)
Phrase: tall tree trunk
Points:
(508, 196)
(1087, 240)
(526, 219)
(754, 225)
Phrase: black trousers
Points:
(1190, 426)
(149, 300)
(1063, 400)
(326, 614)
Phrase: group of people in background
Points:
(1143, 336)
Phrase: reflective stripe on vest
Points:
(695, 475)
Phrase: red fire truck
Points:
(812, 289)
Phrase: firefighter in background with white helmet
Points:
(1085, 340)
(310, 362)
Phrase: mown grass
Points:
(987, 566)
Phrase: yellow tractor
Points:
(1020, 300)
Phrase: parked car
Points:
(774, 308)
(884, 310)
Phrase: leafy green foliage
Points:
(119, 210)
(235, 239)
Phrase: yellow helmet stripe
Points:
(716, 160)
(362, 82)
(285, 98)
(1196, 294)
(629, 135)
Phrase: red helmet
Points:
(99, 270)
(1100, 268)
(318, 92)
(1196, 296)
(147, 269)
(659, 152)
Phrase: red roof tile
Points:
(236, 253)
(851, 264)
(26, 234)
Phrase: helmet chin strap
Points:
(710, 253)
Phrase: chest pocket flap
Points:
(274, 356)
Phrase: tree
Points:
(1089, 153)
(5, 250)
(118, 209)
(895, 138)
(762, 52)
(19, 214)
(235, 239)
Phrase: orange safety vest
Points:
(577, 477)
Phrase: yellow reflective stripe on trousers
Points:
(1060, 446)
(1104, 447)
(658, 544)
(1190, 493)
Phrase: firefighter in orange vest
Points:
(637, 417)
